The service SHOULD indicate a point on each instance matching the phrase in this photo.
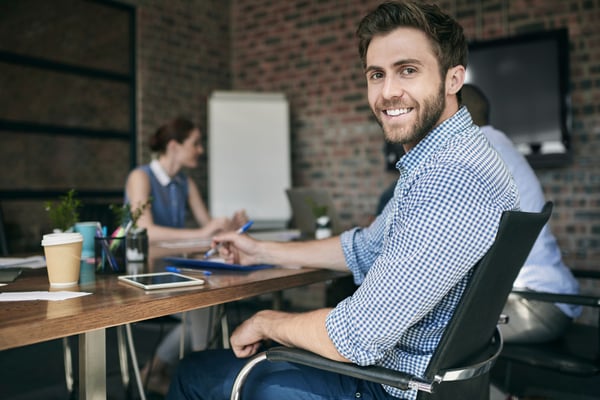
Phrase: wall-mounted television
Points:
(526, 79)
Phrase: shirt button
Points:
(358, 395)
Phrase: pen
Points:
(171, 268)
(100, 232)
(214, 250)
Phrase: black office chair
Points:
(566, 368)
(459, 369)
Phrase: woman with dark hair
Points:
(177, 145)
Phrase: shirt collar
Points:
(435, 139)
(161, 175)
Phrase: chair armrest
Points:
(382, 375)
(586, 274)
(477, 366)
(386, 376)
(480, 364)
(577, 299)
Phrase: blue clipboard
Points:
(199, 263)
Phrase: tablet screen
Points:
(161, 280)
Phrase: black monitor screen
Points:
(526, 80)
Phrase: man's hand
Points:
(247, 338)
(238, 249)
(303, 330)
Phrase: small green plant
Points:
(65, 213)
(124, 214)
(317, 210)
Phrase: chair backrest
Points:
(476, 316)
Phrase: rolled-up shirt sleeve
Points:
(362, 246)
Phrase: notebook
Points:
(301, 200)
(212, 263)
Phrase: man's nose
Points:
(392, 88)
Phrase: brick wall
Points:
(183, 55)
(81, 106)
(307, 49)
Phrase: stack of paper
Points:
(27, 262)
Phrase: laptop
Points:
(302, 201)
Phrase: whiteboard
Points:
(249, 164)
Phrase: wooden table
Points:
(113, 303)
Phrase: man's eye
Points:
(376, 75)
(408, 71)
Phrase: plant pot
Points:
(136, 243)
(323, 227)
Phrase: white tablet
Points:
(161, 280)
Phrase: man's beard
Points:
(431, 111)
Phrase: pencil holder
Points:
(110, 255)
(137, 245)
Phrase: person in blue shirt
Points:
(544, 270)
(178, 146)
(413, 262)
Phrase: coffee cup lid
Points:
(61, 238)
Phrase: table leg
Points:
(277, 300)
(92, 365)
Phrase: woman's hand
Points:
(239, 219)
(218, 225)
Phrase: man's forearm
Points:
(303, 330)
(325, 253)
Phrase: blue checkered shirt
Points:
(414, 261)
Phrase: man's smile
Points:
(393, 112)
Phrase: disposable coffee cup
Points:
(63, 257)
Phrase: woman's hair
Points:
(445, 34)
(177, 129)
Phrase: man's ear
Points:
(455, 78)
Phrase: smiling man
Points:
(414, 261)
(408, 95)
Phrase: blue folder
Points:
(200, 263)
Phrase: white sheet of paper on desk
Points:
(26, 262)
(40, 295)
(180, 244)
(284, 235)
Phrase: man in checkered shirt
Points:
(414, 261)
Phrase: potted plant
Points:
(64, 213)
(322, 220)
(136, 238)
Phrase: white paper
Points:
(27, 262)
(284, 235)
(40, 295)
(179, 244)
